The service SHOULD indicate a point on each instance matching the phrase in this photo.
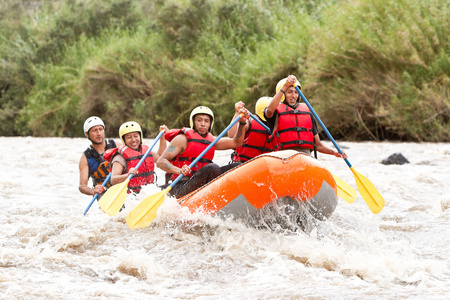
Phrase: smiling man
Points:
(91, 162)
(292, 122)
(187, 144)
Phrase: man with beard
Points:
(91, 162)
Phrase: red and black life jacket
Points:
(99, 169)
(256, 142)
(146, 172)
(195, 146)
(295, 127)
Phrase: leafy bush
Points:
(38, 42)
(371, 69)
(381, 70)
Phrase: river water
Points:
(49, 250)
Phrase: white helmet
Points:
(91, 122)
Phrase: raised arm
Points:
(270, 110)
(118, 143)
(162, 144)
(237, 107)
(232, 143)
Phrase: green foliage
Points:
(56, 96)
(177, 83)
(382, 70)
(16, 80)
(371, 69)
(74, 19)
(181, 24)
(35, 45)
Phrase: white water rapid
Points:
(49, 250)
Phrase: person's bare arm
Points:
(232, 143)
(84, 177)
(324, 149)
(270, 110)
(162, 143)
(117, 170)
(237, 107)
(118, 143)
(176, 147)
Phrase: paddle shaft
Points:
(367, 190)
(259, 121)
(207, 149)
(321, 124)
(96, 195)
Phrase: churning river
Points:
(49, 250)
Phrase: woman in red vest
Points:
(126, 158)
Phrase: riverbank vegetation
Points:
(372, 69)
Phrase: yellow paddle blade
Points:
(345, 191)
(114, 198)
(369, 193)
(145, 212)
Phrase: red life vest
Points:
(256, 142)
(109, 154)
(146, 172)
(295, 127)
(195, 146)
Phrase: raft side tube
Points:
(260, 181)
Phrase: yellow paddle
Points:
(114, 198)
(368, 191)
(366, 188)
(145, 212)
(345, 191)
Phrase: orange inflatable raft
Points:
(248, 188)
